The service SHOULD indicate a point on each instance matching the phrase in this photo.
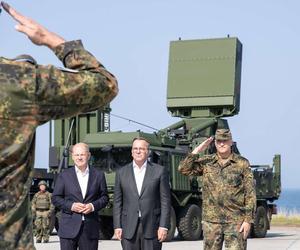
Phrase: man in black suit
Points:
(80, 192)
(141, 201)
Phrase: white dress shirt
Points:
(139, 174)
(83, 178)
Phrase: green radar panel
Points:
(204, 77)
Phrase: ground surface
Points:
(281, 238)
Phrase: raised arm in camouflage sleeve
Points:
(62, 93)
(33, 205)
(31, 95)
(193, 164)
(250, 194)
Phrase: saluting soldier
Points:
(229, 198)
(31, 95)
(42, 209)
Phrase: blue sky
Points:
(131, 38)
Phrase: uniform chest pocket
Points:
(234, 179)
(211, 172)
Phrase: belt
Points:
(42, 209)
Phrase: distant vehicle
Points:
(203, 87)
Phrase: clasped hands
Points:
(81, 208)
(161, 234)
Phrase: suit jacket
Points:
(67, 191)
(153, 202)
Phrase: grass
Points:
(286, 217)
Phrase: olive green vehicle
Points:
(204, 79)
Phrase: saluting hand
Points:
(35, 32)
(203, 145)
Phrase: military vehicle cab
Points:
(204, 79)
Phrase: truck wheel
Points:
(172, 228)
(189, 222)
(106, 231)
(260, 226)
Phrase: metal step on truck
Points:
(204, 79)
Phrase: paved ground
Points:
(281, 238)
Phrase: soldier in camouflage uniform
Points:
(32, 95)
(229, 198)
(42, 209)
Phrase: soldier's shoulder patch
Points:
(68, 70)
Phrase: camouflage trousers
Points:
(41, 223)
(215, 234)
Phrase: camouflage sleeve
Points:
(51, 205)
(250, 194)
(33, 203)
(85, 86)
(191, 165)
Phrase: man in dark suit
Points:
(141, 201)
(80, 192)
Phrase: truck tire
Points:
(189, 222)
(172, 228)
(260, 225)
(106, 231)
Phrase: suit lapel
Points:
(76, 184)
(131, 179)
(147, 177)
(91, 174)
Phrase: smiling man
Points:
(80, 192)
(229, 198)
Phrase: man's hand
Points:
(118, 233)
(162, 234)
(203, 145)
(88, 208)
(245, 229)
(77, 207)
(35, 32)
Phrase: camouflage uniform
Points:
(228, 197)
(42, 209)
(31, 95)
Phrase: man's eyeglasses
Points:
(139, 149)
(79, 155)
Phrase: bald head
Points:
(81, 145)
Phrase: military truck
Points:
(204, 80)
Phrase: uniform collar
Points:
(232, 157)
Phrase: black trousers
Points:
(81, 241)
(138, 242)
